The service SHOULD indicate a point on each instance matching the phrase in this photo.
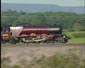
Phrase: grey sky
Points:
(55, 2)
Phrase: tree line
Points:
(69, 21)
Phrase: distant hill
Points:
(32, 8)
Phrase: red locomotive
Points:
(29, 34)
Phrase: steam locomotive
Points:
(34, 34)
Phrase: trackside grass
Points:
(76, 39)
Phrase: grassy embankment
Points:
(80, 36)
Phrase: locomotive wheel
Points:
(60, 40)
(25, 40)
(65, 41)
(13, 41)
(3, 41)
(37, 42)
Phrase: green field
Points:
(75, 39)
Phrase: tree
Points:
(77, 27)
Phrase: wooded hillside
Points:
(69, 21)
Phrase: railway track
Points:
(45, 44)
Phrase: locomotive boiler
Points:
(36, 34)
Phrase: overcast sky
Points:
(54, 2)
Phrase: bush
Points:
(78, 35)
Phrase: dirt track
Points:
(24, 52)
